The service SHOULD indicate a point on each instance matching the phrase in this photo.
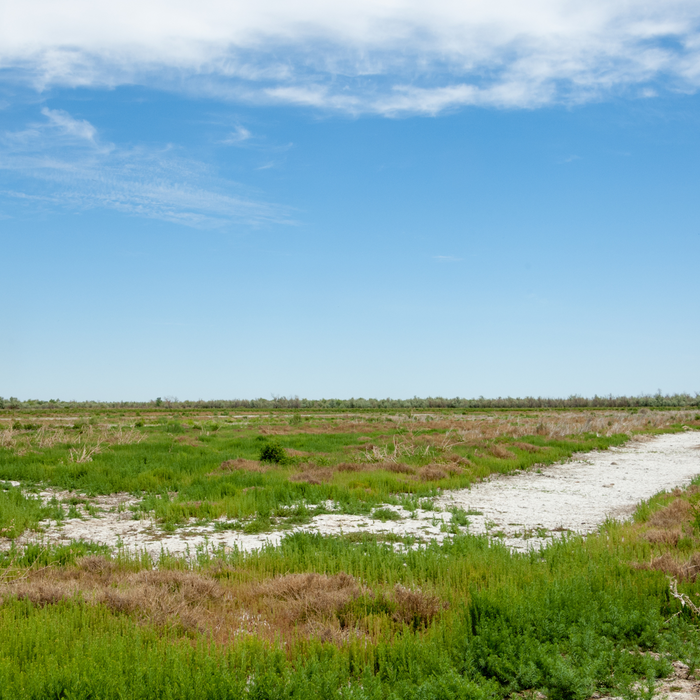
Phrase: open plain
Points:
(447, 553)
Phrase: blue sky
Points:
(376, 199)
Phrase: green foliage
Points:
(568, 622)
(385, 514)
(573, 619)
(460, 517)
(273, 452)
(18, 512)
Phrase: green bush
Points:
(272, 452)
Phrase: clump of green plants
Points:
(385, 514)
(273, 452)
(460, 517)
(18, 512)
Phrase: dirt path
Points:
(579, 495)
(525, 510)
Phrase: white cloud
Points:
(69, 126)
(237, 136)
(381, 56)
(71, 168)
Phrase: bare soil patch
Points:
(523, 510)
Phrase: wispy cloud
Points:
(237, 136)
(62, 162)
(63, 121)
(381, 56)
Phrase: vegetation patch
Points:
(378, 616)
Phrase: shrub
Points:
(272, 452)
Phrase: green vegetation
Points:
(18, 512)
(192, 465)
(380, 617)
(657, 400)
(466, 619)
(272, 452)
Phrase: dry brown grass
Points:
(670, 529)
(396, 467)
(351, 467)
(671, 538)
(687, 569)
(183, 599)
(673, 515)
(88, 442)
(432, 472)
(310, 471)
(501, 452)
(313, 475)
(527, 447)
(307, 605)
(300, 597)
(248, 465)
(360, 425)
(298, 453)
(415, 608)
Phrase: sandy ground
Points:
(680, 685)
(525, 510)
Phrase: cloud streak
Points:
(380, 56)
(62, 162)
(237, 136)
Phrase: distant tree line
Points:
(295, 403)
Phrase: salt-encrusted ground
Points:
(524, 510)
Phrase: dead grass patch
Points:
(670, 565)
(183, 599)
(416, 608)
(397, 468)
(300, 597)
(670, 538)
(297, 453)
(333, 608)
(248, 465)
(527, 447)
(432, 472)
(672, 527)
(676, 513)
(501, 452)
(188, 440)
(352, 467)
(308, 605)
(329, 427)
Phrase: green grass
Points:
(568, 622)
(182, 458)
(19, 512)
(575, 619)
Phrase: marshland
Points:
(392, 611)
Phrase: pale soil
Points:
(524, 510)
(680, 685)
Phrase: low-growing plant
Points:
(273, 452)
(459, 517)
(385, 514)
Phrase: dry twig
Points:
(684, 599)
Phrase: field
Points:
(361, 616)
